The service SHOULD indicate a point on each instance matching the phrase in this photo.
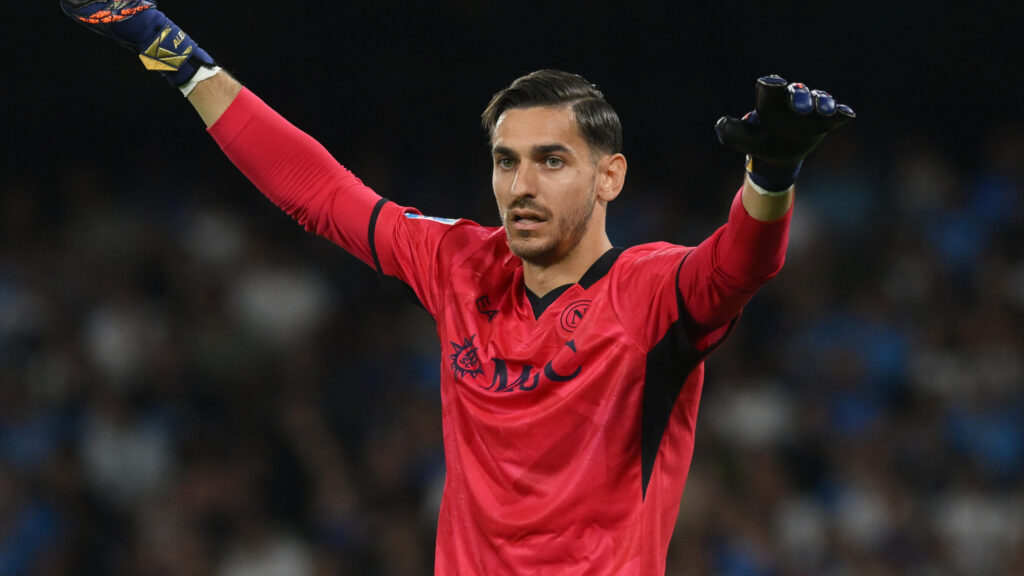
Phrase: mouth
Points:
(525, 220)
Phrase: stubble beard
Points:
(570, 229)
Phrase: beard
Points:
(564, 236)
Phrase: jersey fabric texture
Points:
(568, 420)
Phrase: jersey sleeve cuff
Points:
(238, 114)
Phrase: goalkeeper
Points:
(572, 369)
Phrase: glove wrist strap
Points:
(203, 73)
(771, 180)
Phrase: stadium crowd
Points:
(194, 386)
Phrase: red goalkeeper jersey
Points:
(568, 419)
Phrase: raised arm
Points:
(291, 168)
(724, 272)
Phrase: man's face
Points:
(544, 179)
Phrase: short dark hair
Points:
(596, 119)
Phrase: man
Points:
(572, 369)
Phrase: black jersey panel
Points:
(391, 285)
(669, 364)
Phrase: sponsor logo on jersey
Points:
(466, 362)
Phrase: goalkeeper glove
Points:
(137, 24)
(787, 123)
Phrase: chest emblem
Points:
(573, 315)
(465, 360)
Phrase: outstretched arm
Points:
(724, 272)
(291, 168)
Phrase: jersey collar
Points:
(596, 271)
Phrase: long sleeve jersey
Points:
(568, 420)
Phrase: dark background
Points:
(191, 384)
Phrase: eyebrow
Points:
(541, 150)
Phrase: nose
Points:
(523, 183)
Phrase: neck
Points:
(541, 279)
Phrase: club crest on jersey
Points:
(573, 315)
(465, 360)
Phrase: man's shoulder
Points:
(451, 231)
(467, 236)
(653, 253)
(462, 242)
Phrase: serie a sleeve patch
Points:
(446, 221)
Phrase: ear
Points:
(611, 175)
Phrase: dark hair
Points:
(596, 119)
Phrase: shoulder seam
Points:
(371, 234)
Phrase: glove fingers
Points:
(842, 115)
(824, 103)
(160, 44)
(822, 114)
(771, 97)
(788, 122)
(800, 99)
(100, 15)
(816, 110)
(740, 134)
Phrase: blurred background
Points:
(191, 384)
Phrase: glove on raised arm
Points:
(160, 43)
(787, 123)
